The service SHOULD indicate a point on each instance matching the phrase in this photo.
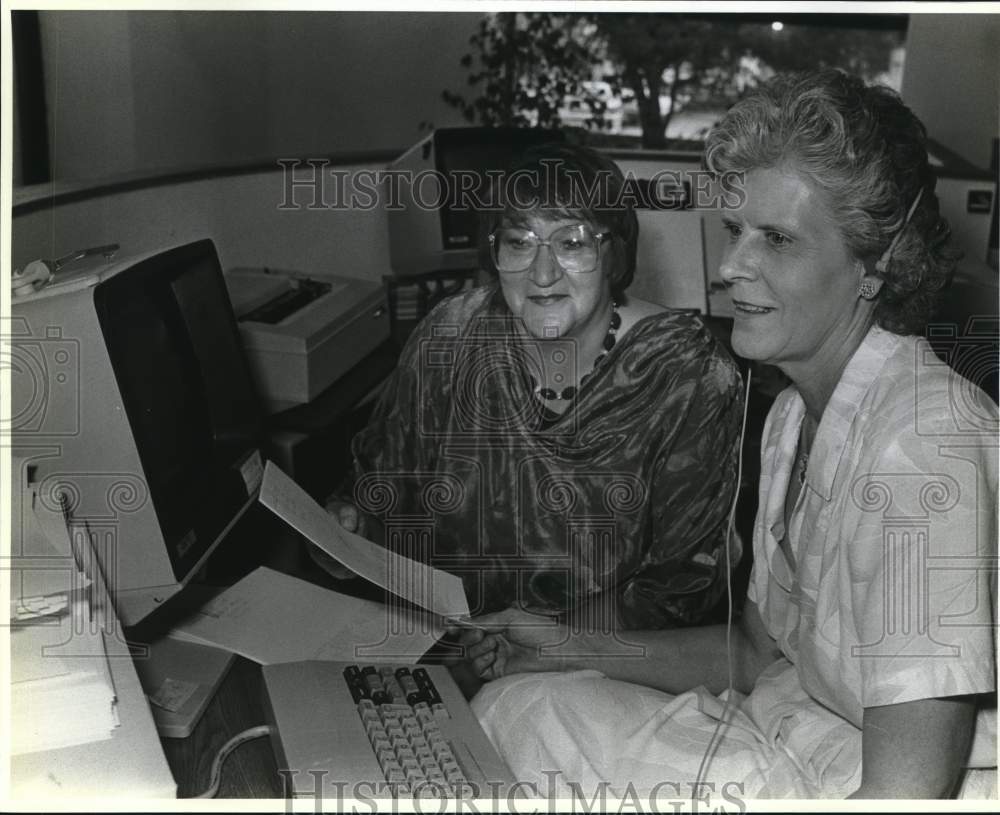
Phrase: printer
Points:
(301, 332)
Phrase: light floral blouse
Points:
(892, 594)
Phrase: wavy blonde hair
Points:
(868, 152)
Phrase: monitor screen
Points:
(185, 385)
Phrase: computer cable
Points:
(716, 738)
(216, 775)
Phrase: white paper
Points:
(271, 617)
(173, 694)
(423, 585)
(61, 689)
(43, 572)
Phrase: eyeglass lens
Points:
(575, 248)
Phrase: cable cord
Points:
(224, 751)
(716, 739)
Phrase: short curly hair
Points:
(571, 181)
(868, 152)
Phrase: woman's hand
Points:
(512, 641)
(347, 516)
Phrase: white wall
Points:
(952, 80)
(670, 261)
(240, 213)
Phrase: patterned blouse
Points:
(627, 492)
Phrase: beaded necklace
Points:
(569, 392)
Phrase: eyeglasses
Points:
(576, 248)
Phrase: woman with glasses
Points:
(562, 446)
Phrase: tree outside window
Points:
(650, 79)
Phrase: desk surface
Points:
(250, 771)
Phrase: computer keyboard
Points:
(400, 712)
(344, 731)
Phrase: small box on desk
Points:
(301, 332)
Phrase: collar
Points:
(859, 376)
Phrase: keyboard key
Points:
(355, 684)
(414, 695)
(433, 697)
(426, 789)
(433, 738)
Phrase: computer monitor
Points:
(432, 228)
(131, 389)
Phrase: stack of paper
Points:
(61, 688)
(62, 693)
